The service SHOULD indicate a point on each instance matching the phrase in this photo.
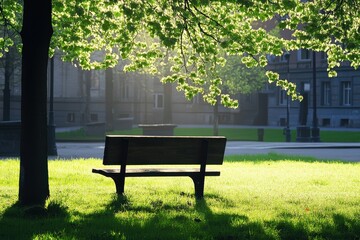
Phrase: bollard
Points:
(260, 133)
(287, 133)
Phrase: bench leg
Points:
(199, 182)
(119, 185)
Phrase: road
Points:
(332, 151)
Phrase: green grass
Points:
(265, 197)
(232, 134)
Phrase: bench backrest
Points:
(148, 150)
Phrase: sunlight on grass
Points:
(263, 198)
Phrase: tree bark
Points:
(8, 72)
(87, 96)
(167, 103)
(109, 99)
(167, 117)
(36, 34)
(216, 118)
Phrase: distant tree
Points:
(8, 65)
(97, 33)
(237, 79)
(9, 25)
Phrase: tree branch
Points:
(6, 21)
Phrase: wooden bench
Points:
(162, 150)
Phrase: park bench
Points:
(171, 151)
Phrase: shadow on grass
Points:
(340, 228)
(17, 222)
(122, 218)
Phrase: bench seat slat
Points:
(163, 150)
(154, 172)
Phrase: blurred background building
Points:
(80, 97)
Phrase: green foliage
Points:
(97, 34)
(239, 78)
(10, 15)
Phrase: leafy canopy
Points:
(96, 34)
(10, 12)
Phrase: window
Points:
(282, 122)
(283, 58)
(325, 93)
(303, 55)
(124, 88)
(197, 99)
(323, 56)
(326, 122)
(158, 100)
(282, 97)
(96, 77)
(346, 93)
(271, 58)
(94, 117)
(70, 117)
(344, 122)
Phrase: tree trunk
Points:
(8, 72)
(81, 93)
(167, 117)
(80, 79)
(36, 34)
(216, 119)
(109, 99)
(167, 103)
(87, 96)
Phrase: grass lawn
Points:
(252, 199)
(232, 134)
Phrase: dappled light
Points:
(268, 199)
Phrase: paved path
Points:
(336, 151)
(331, 151)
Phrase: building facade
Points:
(337, 98)
(81, 97)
